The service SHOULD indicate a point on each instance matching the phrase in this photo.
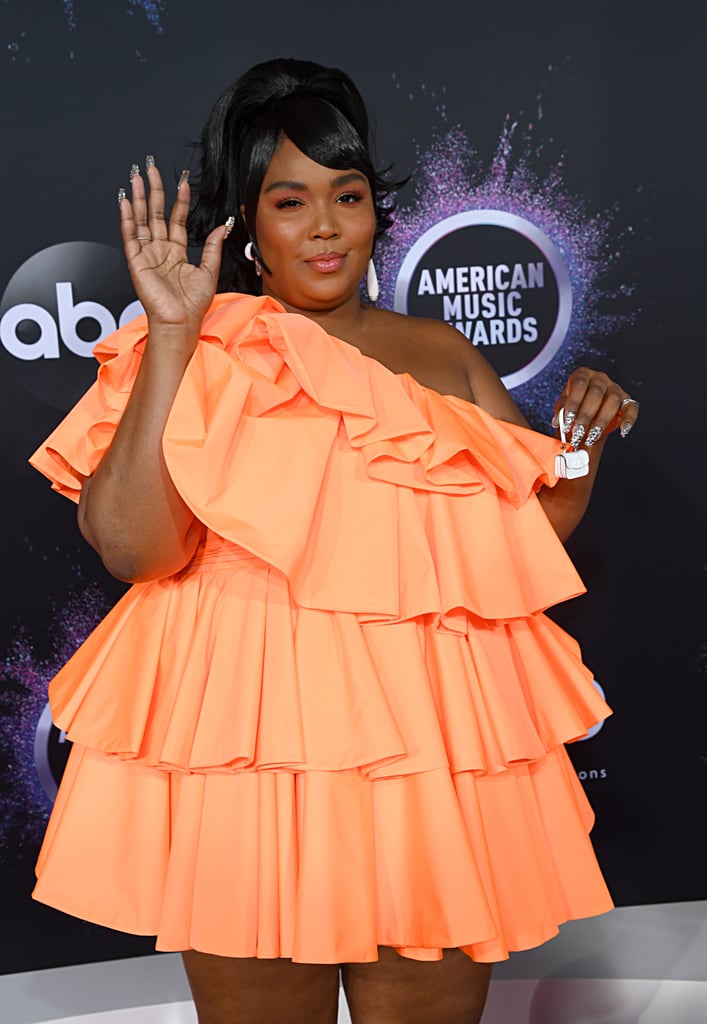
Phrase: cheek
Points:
(366, 232)
(275, 237)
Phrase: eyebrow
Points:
(299, 186)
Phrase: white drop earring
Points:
(372, 281)
(250, 254)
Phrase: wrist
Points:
(171, 341)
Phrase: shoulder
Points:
(433, 346)
(421, 337)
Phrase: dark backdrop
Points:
(609, 104)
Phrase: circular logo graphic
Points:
(51, 752)
(499, 280)
(56, 306)
(595, 728)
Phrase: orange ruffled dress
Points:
(341, 725)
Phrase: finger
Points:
(128, 227)
(587, 390)
(628, 415)
(138, 202)
(180, 211)
(561, 403)
(606, 417)
(213, 247)
(571, 398)
(157, 227)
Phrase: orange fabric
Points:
(341, 724)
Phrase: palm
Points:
(172, 291)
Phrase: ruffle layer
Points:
(323, 867)
(286, 441)
(221, 671)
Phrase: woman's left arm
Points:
(594, 407)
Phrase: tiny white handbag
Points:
(570, 464)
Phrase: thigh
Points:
(398, 990)
(230, 990)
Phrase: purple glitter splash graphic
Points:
(27, 44)
(452, 179)
(24, 679)
(153, 10)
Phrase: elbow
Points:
(136, 548)
(135, 560)
(132, 565)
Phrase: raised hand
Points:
(594, 406)
(174, 292)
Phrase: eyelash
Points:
(292, 203)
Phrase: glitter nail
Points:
(577, 435)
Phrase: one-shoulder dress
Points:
(342, 724)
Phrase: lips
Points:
(326, 262)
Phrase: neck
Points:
(345, 321)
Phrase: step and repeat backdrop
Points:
(554, 214)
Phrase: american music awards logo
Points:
(500, 249)
(499, 280)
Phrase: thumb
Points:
(213, 247)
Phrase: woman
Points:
(324, 729)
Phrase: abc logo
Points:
(55, 308)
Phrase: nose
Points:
(324, 223)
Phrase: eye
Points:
(288, 204)
(350, 197)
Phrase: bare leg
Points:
(397, 990)
(228, 990)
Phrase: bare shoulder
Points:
(440, 357)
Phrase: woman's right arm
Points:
(130, 511)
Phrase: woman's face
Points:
(315, 228)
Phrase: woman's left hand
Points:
(594, 406)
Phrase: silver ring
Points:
(628, 401)
(144, 238)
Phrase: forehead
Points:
(289, 164)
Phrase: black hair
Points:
(319, 109)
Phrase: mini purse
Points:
(570, 464)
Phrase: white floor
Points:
(599, 1001)
(637, 965)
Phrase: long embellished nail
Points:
(569, 419)
(121, 196)
(555, 421)
(183, 179)
(577, 435)
(134, 171)
(625, 428)
(149, 160)
(228, 227)
(593, 436)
